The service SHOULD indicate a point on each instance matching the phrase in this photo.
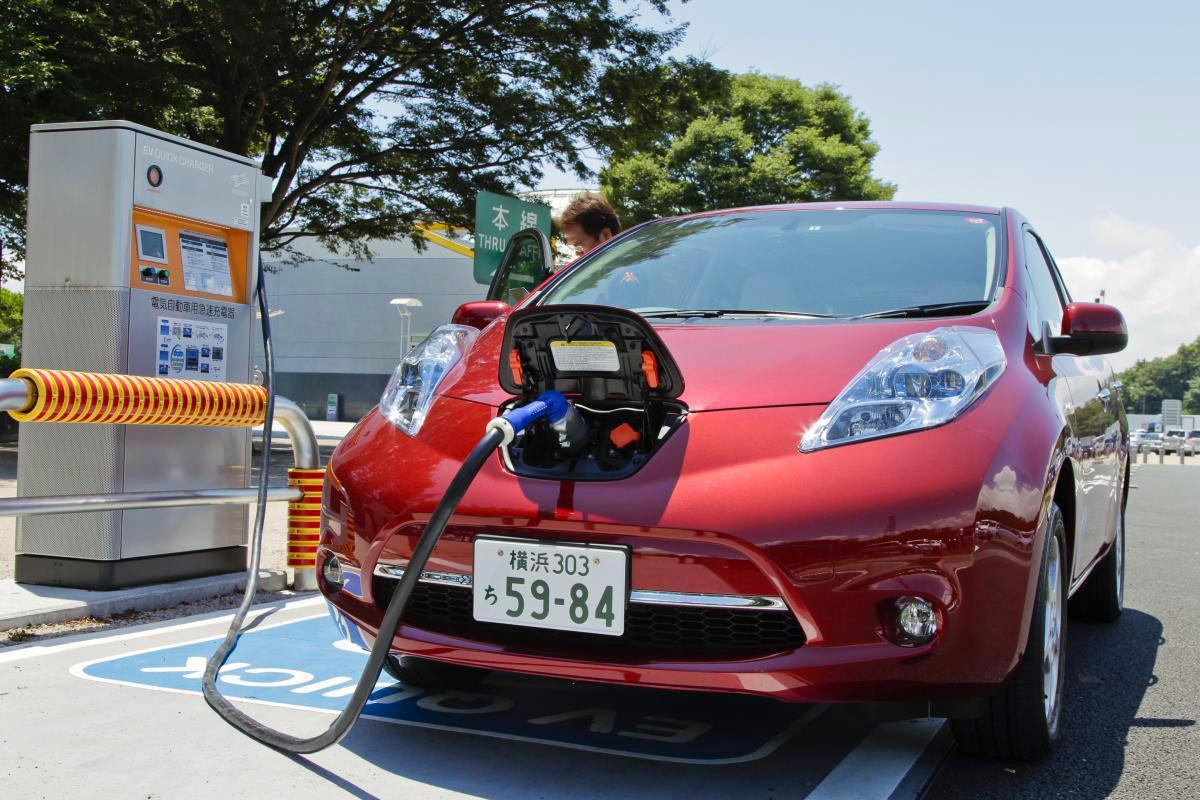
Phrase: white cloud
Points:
(1123, 237)
(1150, 275)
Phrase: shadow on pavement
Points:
(1109, 668)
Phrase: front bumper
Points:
(719, 511)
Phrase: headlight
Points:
(411, 390)
(917, 382)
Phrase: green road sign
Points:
(498, 217)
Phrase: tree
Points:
(732, 140)
(370, 115)
(11, 308)
(1147, 383)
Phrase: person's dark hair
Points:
(592, 213)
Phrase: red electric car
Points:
(824, 452)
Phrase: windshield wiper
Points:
(708, 313)
(931, 310)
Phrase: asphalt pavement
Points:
(1133, 689)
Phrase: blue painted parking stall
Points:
(307, 664)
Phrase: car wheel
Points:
(1102, 596)
(413, 671)
(1021, 721)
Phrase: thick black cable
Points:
(344, 721)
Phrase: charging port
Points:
(618, 378)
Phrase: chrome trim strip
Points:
(649, 597)
(427, 576)
(698, 600)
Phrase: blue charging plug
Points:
(551, 405)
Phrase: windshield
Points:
(829, 263)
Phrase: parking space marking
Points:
(296, 664)
(82, 640)
(881, 761)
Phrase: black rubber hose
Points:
(344, 721)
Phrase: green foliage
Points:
(717, 140)
(1146, 384)
(370, 115)
(12, 305)
(11, 317)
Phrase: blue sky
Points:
(1085, 116)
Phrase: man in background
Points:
(588, 221)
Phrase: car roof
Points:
(867, 205)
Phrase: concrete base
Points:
(124, 573)
(22, 604)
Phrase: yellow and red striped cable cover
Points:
(62, 396)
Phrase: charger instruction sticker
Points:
(191, 349)
(585, 356)
(205, 264)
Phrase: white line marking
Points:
(65, 643)
(874, 769)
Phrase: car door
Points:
(1092, 414)
(526, 262)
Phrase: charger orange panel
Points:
(214, 266)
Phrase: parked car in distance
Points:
(1174, 440)
(1193, 442)
(1150, 440)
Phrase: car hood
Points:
(735, 364)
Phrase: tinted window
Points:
(824, 262)
(1044, 291)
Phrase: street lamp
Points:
(405, 305)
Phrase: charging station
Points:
(140, 261)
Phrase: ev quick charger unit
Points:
(140, 260)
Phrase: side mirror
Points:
(479, 313)
(1091, 329)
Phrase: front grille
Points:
(652, 632)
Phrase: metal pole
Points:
(306, 451)
(14, 394)
(71, 503)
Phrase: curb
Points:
(22, 605)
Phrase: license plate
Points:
(565, 587)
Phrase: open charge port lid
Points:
(567, 348)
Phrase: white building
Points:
(334, 327)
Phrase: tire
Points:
(413, 671)
(1021, 721)
(1102, 596)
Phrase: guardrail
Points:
(56, 396)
